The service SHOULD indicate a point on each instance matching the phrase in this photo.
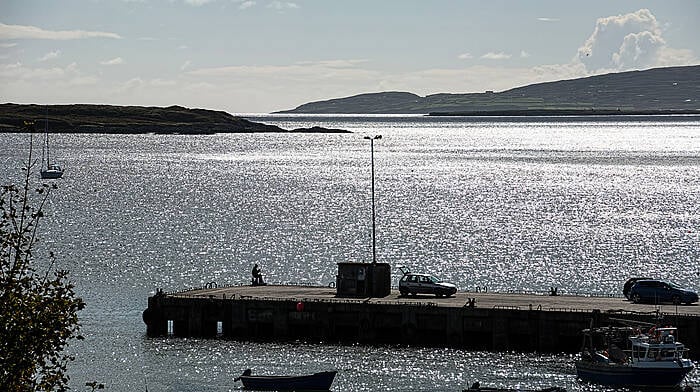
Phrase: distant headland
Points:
(658, 91)
(83, 118)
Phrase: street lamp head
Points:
(373, 137)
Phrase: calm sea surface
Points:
(509, 204)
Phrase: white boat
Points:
(625, 356)
(48, 169)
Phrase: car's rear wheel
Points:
(676, 299)
(403, 293)
(636, 298)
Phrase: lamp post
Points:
(374, 236)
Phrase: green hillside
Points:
(671, 89)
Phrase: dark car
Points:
(655, 291)
(628, 286)
(414, 284)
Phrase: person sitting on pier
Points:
(257, 276)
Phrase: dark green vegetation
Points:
(38, 308)
(131, 119)
(654, 91)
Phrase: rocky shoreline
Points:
(83, 118)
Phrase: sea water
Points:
(513, 204)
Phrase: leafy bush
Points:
(38, 309)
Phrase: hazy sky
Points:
(246, 56)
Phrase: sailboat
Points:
(48, 170)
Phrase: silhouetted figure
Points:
(553, 291)
(257, 276)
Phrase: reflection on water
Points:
(360, 368)
(512, 205)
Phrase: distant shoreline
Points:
(110, 119)
(650, 91)
(149, 130)
(564, 112)
(176, 120)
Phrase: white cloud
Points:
(54, 78)
(638, 49)
(294, 71)
(197, 3)
(32, 32)
(623, 42)
(130, 85)
(162, 83)
(282, 5)
(333, 63)
(667, 57)
(342, 69)
(496, 56)
(524, 54)
(9, 69)
(114, 61)
(246, 4)
(185, 65)
(548, 19)
(465, 56)
(50, 55)
(18, 71)
(8, 45)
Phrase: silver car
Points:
(414, 284)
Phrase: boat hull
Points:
(623, 375)
(314, 382)
(48, 174)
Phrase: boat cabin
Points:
(627, 345)
(657, 345)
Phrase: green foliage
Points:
(38, 309)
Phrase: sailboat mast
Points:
(46, 136)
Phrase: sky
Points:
(260, 56)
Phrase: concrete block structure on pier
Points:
(483, 321)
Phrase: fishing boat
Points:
(312, 382)
(48, 170)
(628, 357)
(476, 387)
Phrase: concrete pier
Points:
(493, 321)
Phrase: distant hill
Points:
(668, 89)
(82, 118)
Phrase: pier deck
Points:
(483, 300)
(496, 321)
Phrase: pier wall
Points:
(495, 329)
